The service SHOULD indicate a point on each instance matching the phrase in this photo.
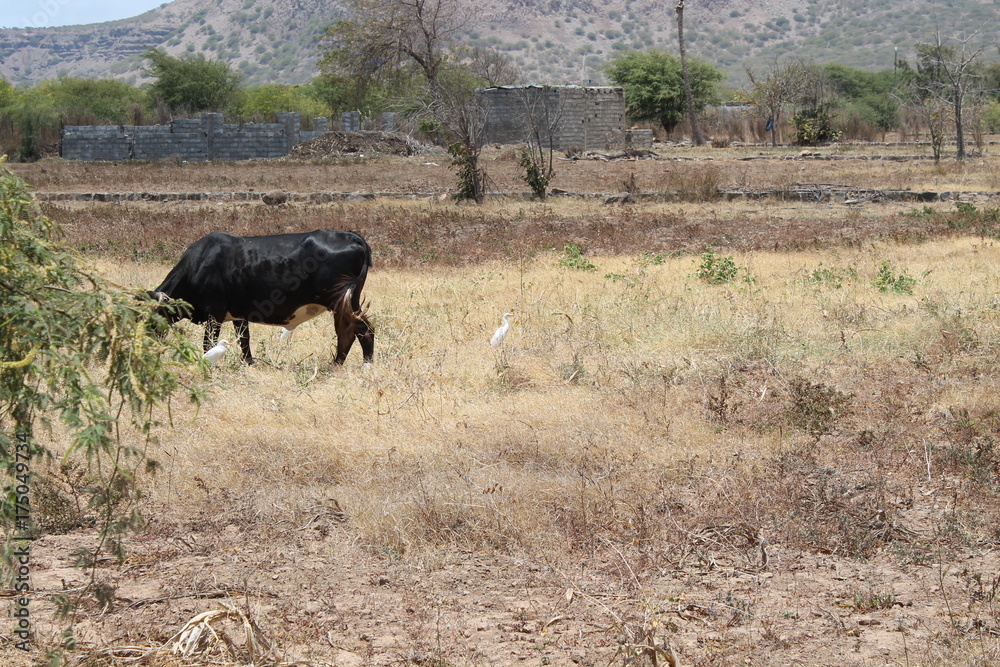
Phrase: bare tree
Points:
(456, 111)
(493, 67)
(948, 73)
(771, 92)
(696, 134)
(542, 113)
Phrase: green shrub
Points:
(715, 269)
(886, 280)
(573, 258)
(968, 218)
(814, 127)
(471, 177)
(833, 277)
(536, 174)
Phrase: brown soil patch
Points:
(322, 599)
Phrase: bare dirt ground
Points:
(307, 590)
(321, 598)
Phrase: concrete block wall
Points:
(582, 117)
(194, 140)
(639, 138)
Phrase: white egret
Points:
(216, 352)
(502, 331)
(285, 334)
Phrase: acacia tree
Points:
(771, 92)
(654, 85)
(75, 351)
(379, 37)
(191, 84)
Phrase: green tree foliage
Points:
(991, 81)
(272, 98)
(871, 97)
(855, 84)
(192, 84)
(22, 120)
(654, 85)
(30, 118)
(339, 93)
(406, 55)
(92, 101)
(82, 375)
(881, 111)
(991, 117)
(7, 93)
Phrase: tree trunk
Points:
(959, 130)
(696, 134)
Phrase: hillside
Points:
(553, 41)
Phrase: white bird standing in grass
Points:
(216, 352)
(502, 331)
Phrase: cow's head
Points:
(166, 310)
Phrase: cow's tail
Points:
(349, 306)
(359, 281)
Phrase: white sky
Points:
(46, 13)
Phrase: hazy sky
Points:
(44, 13)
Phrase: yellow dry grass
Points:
(600, 396)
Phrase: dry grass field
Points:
(718, 433)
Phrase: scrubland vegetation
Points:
(716, 432)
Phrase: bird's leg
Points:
(243, 332)
(212, 328)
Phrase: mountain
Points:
(552, 41)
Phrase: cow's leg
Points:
(212, 328)
(345, 337)
(366, 336)
(243, 332)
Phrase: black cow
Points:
(284, 280)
